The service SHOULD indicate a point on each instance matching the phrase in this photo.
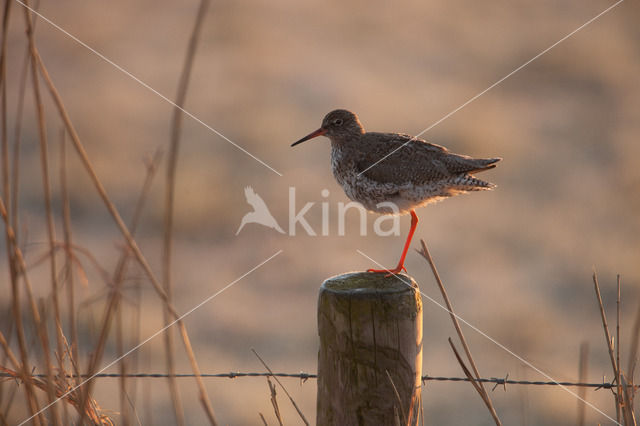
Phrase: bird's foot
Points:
(389, 272)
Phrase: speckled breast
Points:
(382, 198)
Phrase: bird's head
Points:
(338, 125)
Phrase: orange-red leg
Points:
(400, 267)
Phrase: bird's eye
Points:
(337, 122)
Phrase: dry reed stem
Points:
(263, 420)
(304, 419)
(176, 127)
(69, 258)
(63, 374)
(15, 175)
(614, 365)
(4, 132)
(617, 344)
(25, 369)
(204, 398)
(50, 382)
(96, 356)
(46, 181)
(113, 303)
(3, 103)
(274, 402)
(21, 270)
(627, 408)
(633, 350)
(465, 370)
(122, 382)
(583, 368)
(46, 186)
(7, 350)
(125, 401)
(16, 365)
(481, 389)
(147, 395)
(134, 334)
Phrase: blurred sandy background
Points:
(517, 262)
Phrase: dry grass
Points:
(56, 385)
(478, 386)
(625, 391)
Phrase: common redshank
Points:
(375, 168)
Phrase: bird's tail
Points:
(471, 183)
(484, 164)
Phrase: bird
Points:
(395, 173)
(260, 213)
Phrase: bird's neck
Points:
(346, 139)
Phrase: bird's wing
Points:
(411, 160)
(254, 199)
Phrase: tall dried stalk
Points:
(20, 268)
(25, 371)
(302, 417)
(627, 406)
(127, 402)
(617, 342)
(46, 186)
(624, 393)
(479, 386)
(122, 383)
(115, 296)
(16, 259)
(274, 403)
(176, 128)
(633, 350)
(152, 167)
(68, 243)
(3, 103)
(17, 366)
(3, 122)
(614, 365)
(17, 136)
(204, 398)
(583, 368)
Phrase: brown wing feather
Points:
(417, 161)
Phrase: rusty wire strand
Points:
(306, 376)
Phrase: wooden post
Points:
(370, 356)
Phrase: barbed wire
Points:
(306, 376)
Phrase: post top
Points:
(368, 282)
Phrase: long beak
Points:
(311, 135)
